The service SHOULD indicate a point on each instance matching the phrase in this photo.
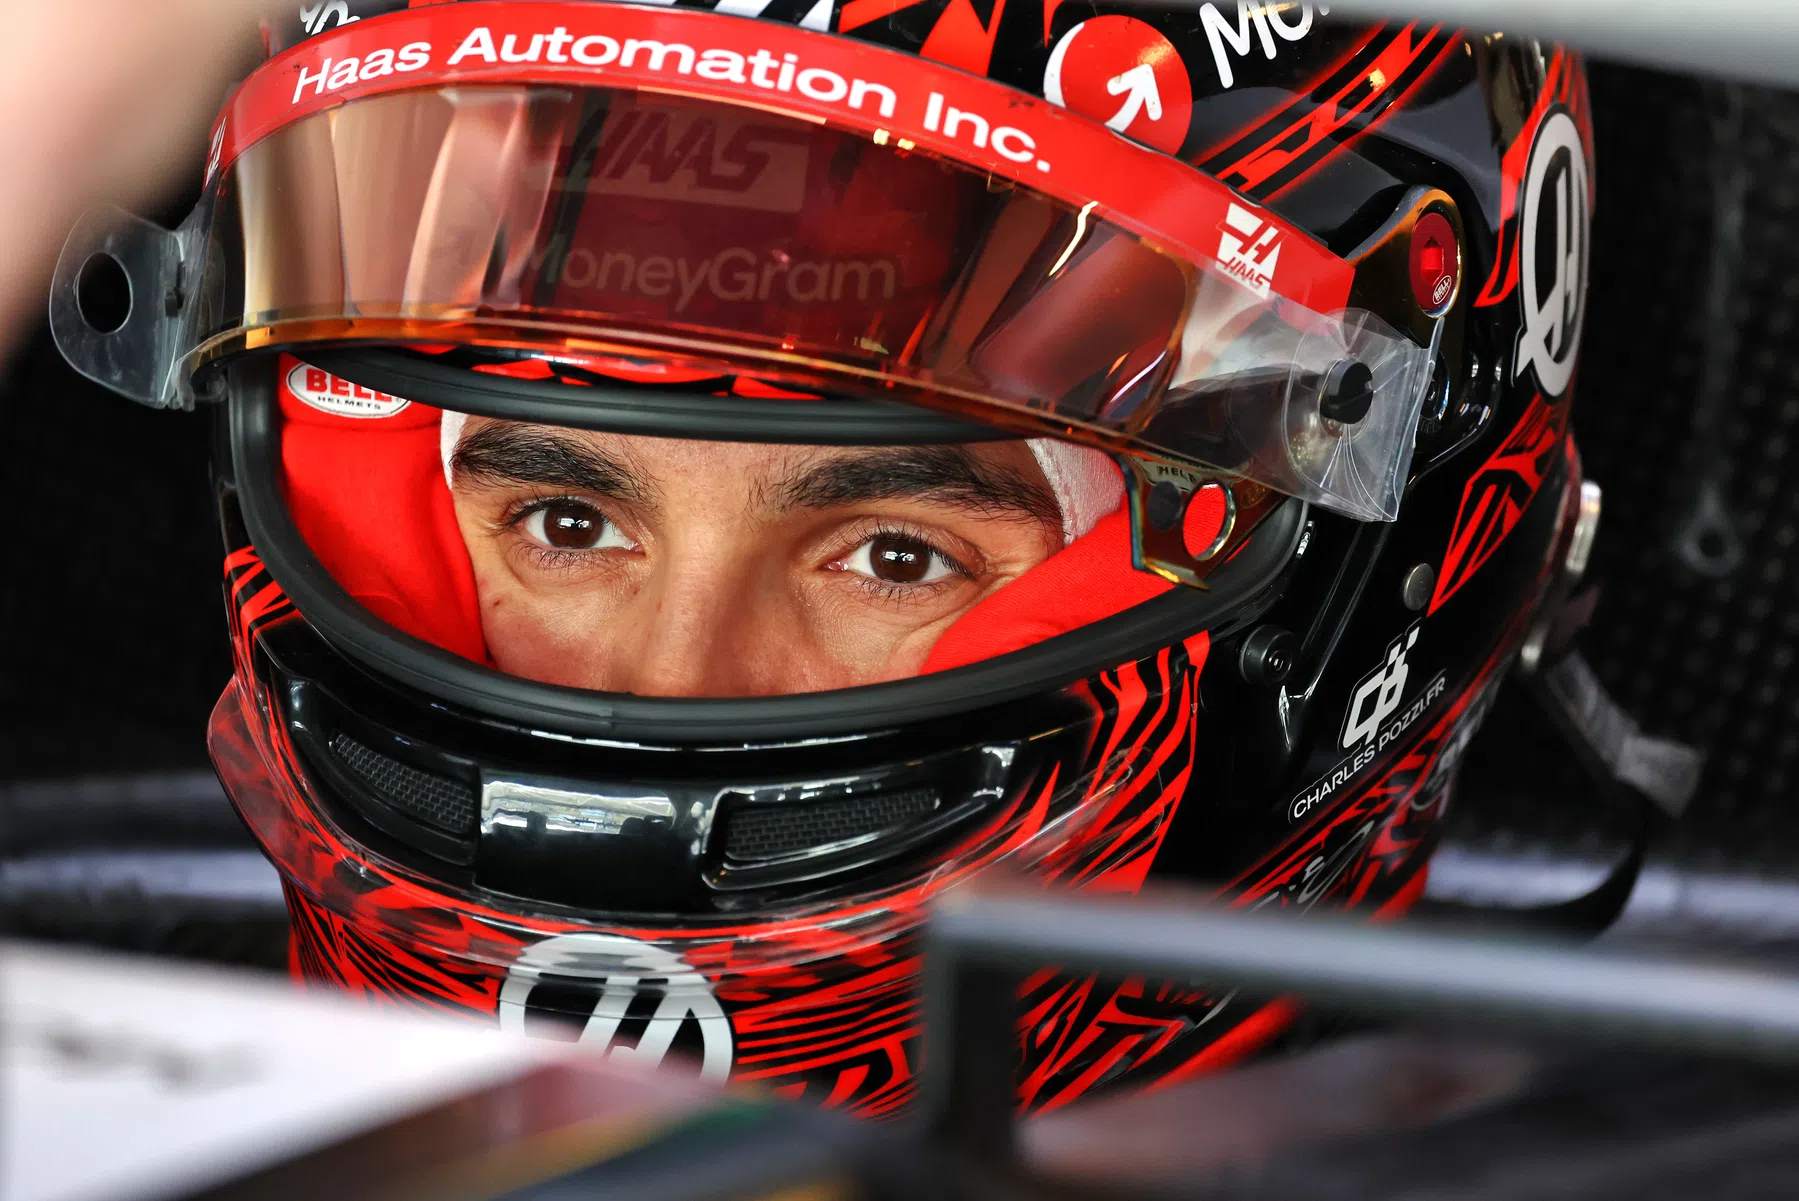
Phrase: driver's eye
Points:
(568, 524)
(897, 559)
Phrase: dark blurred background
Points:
(114, 649)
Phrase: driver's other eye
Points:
(898, 559)
(568, 524)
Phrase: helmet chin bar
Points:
(1163, 493)
(618, 832)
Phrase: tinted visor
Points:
(597, 220)
(699, 228)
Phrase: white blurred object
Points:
(132, 1078)
(1756, 43)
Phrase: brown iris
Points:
(571, 525)
(899, 560)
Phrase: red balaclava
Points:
(370, 496)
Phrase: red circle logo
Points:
(1436, 263)
(1121, 71)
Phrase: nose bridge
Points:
(690, 630)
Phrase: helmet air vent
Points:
(766, 834)
(427, 797)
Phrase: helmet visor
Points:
(619, 221)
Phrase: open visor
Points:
(603, 221)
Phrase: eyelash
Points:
(549, 556)
(899, 592)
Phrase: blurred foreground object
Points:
(1753, 43)
(1490, 1069)
(101, 100)
(1518, 1069)
(127, 1079)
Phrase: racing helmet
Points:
(699, 481)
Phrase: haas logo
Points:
(1249, 249)
(632, 1000)
(674, 152)
(1552, 270)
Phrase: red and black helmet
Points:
(1267, 322)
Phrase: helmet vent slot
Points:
(424, 796)
(768, 833)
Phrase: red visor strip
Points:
(888, 94)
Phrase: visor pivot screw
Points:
(174, 299)
(1165, 505)
(1267, 655)
(1420, 583)
(1348, 393)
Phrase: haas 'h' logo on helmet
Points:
(621, 987)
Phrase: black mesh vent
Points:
(761, 832)
(433, 799)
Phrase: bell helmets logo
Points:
(631, 1000)
(1554, 245)
(332, 394)
(1250, 249)
(1123, 72)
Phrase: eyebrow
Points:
(511, 453)
(948, 475)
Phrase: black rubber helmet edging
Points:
(657, 413)
(1243, 585)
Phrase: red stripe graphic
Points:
(1494, 500)
(1563, 84)
(1327, 118)
(960, 39)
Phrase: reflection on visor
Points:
(613, 221)
(651, 218)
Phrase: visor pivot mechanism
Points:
(1182, 519)
(174, 299)
(133, 354)
(1267, 656)
(1348, 393)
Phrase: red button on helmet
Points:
(1436, 263)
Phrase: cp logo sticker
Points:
(628, 988)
